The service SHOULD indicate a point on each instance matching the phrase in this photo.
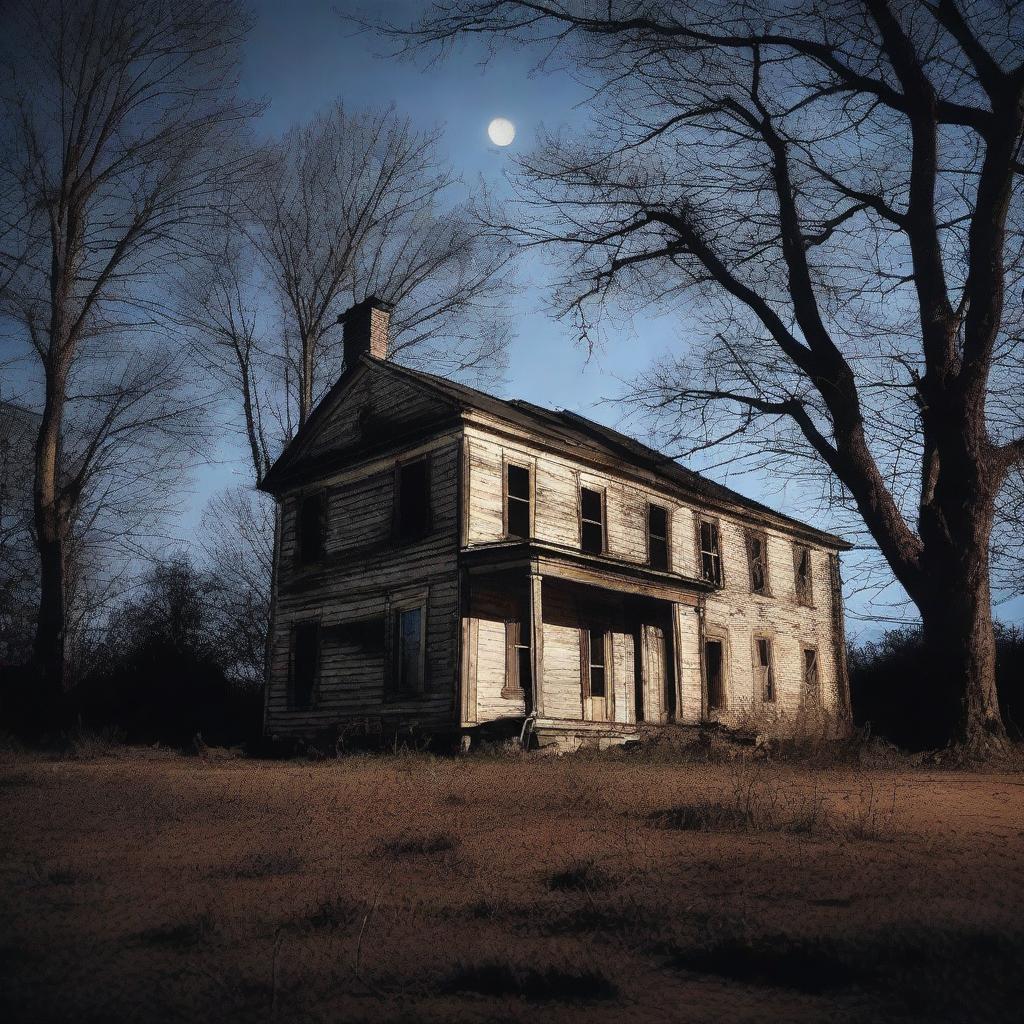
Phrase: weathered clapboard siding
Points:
(374, 406)
(364, 570)
(733, 609)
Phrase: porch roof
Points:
(603, 571)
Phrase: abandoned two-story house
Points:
(447, 559)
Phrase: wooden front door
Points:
(650, 691)
(596, 675)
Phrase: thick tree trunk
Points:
(52, 531)
(956, 615)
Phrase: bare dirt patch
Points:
(414, 888)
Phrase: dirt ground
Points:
(408, 888)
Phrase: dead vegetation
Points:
(383, 888)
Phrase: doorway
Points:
(714, 673)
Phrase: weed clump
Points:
(420, 845)
(263, 865)
(582, 876)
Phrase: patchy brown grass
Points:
(151, 887)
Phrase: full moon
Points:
(502, 131)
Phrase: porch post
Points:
(537, 643)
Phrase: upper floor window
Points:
(802, 574)
(764, 670)
(710, 552)
(757, 559)
(591, 520)
(517, 500)
(305, 664)
(311, 528)
(657, 537)
(413, 502)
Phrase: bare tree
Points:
(836, 186)
(119, 133)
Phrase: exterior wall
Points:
(732, 611)
(351, 591)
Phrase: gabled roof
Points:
(602, 439)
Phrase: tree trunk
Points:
(51, 538)
(956, 616)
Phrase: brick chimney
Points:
(366, 330)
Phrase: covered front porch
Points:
(587, 647)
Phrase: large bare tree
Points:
(119, 136)
(835, 186)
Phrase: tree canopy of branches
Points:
(348, 205)
(119, 139)
(837, 186)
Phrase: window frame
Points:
(515, 632)
(296, 625)
(396, 608)
(398, 535)
(587, 663)
(506, 497)
(804, 594)
(716, 523)
(805, 691)
(667, 537)
(719, 635)
(303, 558)
(751, 535)
(602, 495)
(767, 682)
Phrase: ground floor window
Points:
(518, 661)
(408, 650)
(714, 668)
(812, 685)
(763, 669)
(593, 662)
(305, 664)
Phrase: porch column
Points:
(537, 642)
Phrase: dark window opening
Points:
(763, 667)
(811, 688)
(714, 666)
(591, 521)
(311, 528)
(595, 642)
(413, 499)
(757, 557)
(409, 651)
(802, 574)
(517, 484)
(518, 662)
(710, 555)
(657, 537)
(305, 663)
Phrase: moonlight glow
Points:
(501, 131)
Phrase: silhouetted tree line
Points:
(180, 659)
(890, 685)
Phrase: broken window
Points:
(311, 528)
(591, 520)
(657, 537)
(714, 668)
(812, 690)
(517, 499)
(413, 517)
(710, 553)
(518, 661)
(802, 574)
(305, 664)
(408, 650)
(763, 671)
(757, 559)
(594, 641)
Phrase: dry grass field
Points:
(407, 888)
